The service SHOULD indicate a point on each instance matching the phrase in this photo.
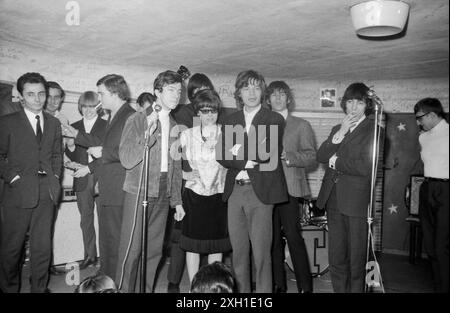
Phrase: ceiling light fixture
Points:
(379, 18)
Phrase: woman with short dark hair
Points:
(205, 228)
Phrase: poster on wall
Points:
(328, 97)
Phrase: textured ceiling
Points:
(304, 39)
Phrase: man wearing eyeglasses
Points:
(433, 196)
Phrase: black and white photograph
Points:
(250, 147)
(328, 98)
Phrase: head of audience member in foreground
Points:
(95, 284)
(216, 277)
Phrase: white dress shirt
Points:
(164, 119)
(248, 122)
(434, 152)
(32, 118)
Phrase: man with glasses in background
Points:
(433, 196)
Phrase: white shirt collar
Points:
(438, 127)
(252, 113)
(284, 113)
(88, 124)
(32, 118)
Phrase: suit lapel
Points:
(258, 119)
(29, 129)
(355, 132)
(96, 126)
(116, 117)
(291, 125)
(82, 128)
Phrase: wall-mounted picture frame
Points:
(328, 97)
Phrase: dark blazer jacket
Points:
(20, 154)
(352, 171)
(80, 155)
(260, 145)
(111, 174)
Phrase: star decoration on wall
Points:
(393, 209)
(401, 127)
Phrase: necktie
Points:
(38, 129)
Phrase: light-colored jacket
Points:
(300, 148)
(131, 152)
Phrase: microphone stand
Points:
(145, 165)
(375, 150)
(144, 217)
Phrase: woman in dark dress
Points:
(205, 224)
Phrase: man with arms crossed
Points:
(250, 147)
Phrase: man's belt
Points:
(444, 180)
(242, 182)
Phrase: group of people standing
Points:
(233, 181)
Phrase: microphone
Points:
(157, 108)
(375, 99)
(184, 72)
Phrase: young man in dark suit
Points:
(345, 190)
(250, 147)
(114, 95)
(84, 165)
(30, 164)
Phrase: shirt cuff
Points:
(249, 164)
(332, 162)
(14, 179)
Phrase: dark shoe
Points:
(56, 271)
(47, 290)
(87, 262)
(173, 288)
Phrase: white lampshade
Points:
(378, 18)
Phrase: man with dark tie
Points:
(30, 164)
